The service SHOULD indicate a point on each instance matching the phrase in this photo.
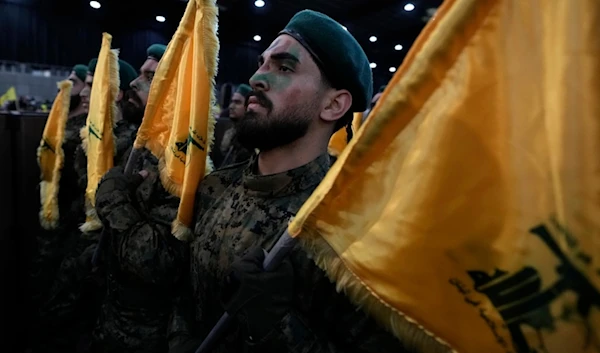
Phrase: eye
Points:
(285, 68)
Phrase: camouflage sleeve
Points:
(324, 320)
(140, 230)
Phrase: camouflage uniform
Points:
(238, 210)
(143, 261)
(233, 151)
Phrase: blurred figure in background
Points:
(233, 151)
(77, 76)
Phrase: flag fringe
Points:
(92, 222)
(181, 231)
(83, 136)
(211, 60)
(49, 213)
(412, 335)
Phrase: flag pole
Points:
(134, 155)
(282, 248)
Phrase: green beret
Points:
(80, 71)
(156, 51)
(126, 74)
(244, 90)
(92, 66)
(336, 52)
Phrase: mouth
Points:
(134, 102)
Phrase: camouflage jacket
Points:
(232, 150)
(143, 261)
(236, 211)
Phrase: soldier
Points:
(309, 81)
(142, 265)
(77, 76)
(69, 312)
(141, 85)
(50, 244)
(230, 147)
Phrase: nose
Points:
(260, 80)
(133, 83)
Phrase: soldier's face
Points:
(78, 85)
(237, 109)
(141, 85)
(286, 97)
(85, 92)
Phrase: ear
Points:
(120, 95)
(338, 102)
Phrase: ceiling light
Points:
(257, 38)
(392, 69)
(373, 65)
(160, 18)
(409, 7)
(373, 39)
(259, 3)
(398, 47)
(95, 4)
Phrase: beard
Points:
(74, 102)
(267, 132)
(133, 113)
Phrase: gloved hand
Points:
(258, 299)
(116, 180)
(115, 191)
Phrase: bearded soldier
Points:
(308, 84)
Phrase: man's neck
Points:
(77, 111)
(288, 157)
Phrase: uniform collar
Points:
(283, 184)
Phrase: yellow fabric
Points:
(468, 207)
(178, 122)
(98, 136)
(10, 95)
(339, 140)
(51, 156)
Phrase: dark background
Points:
(67, 32)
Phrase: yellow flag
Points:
(98, 136)
(51, 156)
(339, 140)
(10, 95)
(465, 215)
(178, 122)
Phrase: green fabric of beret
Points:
(244, 90)
(92, 66)
(336, 51)
(156, 51)
(80, 71)
(126, 74)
